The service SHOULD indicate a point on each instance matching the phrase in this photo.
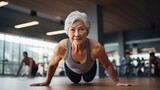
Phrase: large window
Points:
(8, 54)
(12, 48)
(1, 51)
(15, 49)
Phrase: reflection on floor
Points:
(63, 83)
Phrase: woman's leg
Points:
(89, 76)
(156, 71)
(34, 71)
(74, 77)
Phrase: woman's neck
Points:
(78, 48)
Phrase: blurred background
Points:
(128, 29)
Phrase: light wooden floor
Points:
(63, 83)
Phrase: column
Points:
(95, 14)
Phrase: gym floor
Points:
(63, 83)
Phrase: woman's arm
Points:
(149, 69)
(30, 67)
(51, 70)
(57, 56)
(19, 69)
(103, 57)
(158, 60)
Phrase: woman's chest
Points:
(79, 58)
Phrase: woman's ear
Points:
(87, 32)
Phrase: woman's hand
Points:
(40, 84)
(30, 76)
(124, 84)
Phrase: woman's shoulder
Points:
(62, 43)
(61, 47)
(96, 48)
(94, 43)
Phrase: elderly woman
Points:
(79, 53)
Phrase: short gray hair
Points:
(74, 16)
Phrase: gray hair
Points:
(74, 16)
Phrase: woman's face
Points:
(24, 55)
(78, 32)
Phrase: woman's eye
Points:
(81, 29)
(72, 30)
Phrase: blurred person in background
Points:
(33, 67)
(154, 62)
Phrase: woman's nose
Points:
(77, 33)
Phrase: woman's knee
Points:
(74, 77)
(75, 80)
(91, 74)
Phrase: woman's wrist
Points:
(116, 82)
(47, 82)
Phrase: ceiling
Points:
(119, 15)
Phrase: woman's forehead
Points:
(78, 23)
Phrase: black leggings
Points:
(34, 71)
(156, 71)
(76, 78)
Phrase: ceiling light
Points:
(26, 24)
(58, 18)
(55, 32)
(3, 3)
